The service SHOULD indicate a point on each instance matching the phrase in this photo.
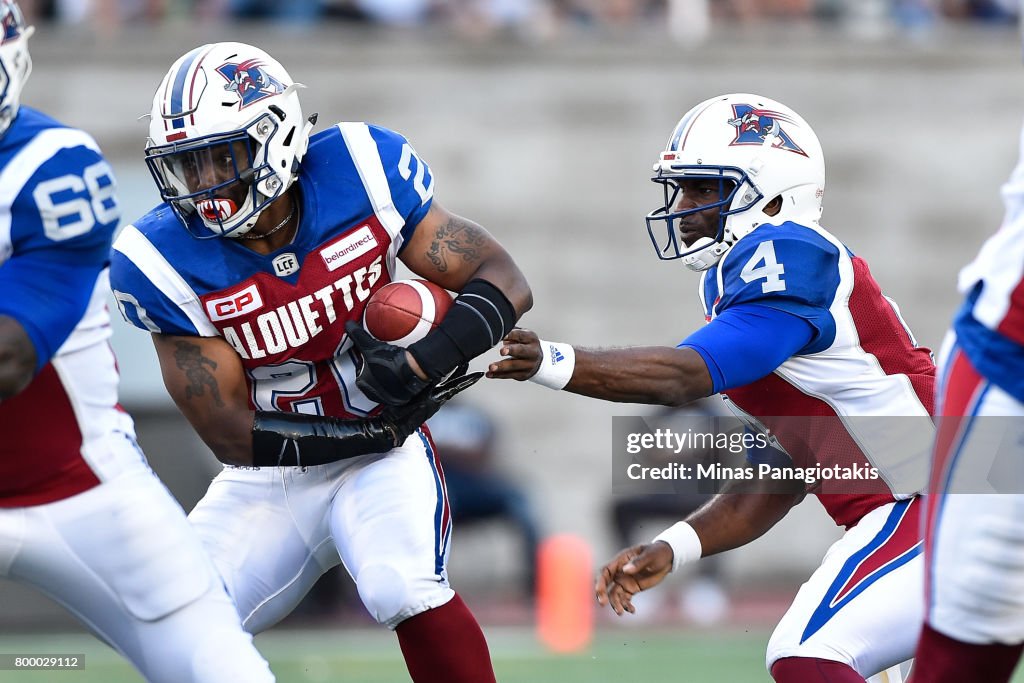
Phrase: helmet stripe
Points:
(673, 143)
(684, 126)
(192, 87)
(179, 87)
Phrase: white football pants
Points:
(124, 560)
(273, 531)
(863, 606)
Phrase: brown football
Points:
(404, 311)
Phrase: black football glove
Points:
(385, 375)
(405, 419)
(294, 440)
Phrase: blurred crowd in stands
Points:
(531, 19)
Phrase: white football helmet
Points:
(760, 149)
(226, 134)
(15, 62)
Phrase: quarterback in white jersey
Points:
(82, 517)
(800, 339)
(974, 619)
(252, 277)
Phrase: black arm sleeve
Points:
(480, 318)
(292, 440)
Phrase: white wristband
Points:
(684, 542)
(556, 366)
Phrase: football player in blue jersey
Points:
(252, 277)
(797, 327)
(82, 517)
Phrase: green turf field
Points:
(358, 656)
(364, 656)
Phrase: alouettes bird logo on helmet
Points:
(754, 125)
(250, 81)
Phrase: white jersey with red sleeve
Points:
(970, 530)
(990, 324)
(363, 190)
(58, 212)
(859, 395)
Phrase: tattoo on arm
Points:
(458, 238)
(197, 368)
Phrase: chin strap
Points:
(706, 257)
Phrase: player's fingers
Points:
(627, 602)
(521, 335)
(638, 564)
(514, 335)
(510, 369)
(619, 598)
(615, 601)
(601, 588)
(520, 362)
(608, 589)
(513, 350)
(614, 566)
(360, 337)
(647, 561)
(607, 586)
(511, 365)
(625, 558)
(604, 581)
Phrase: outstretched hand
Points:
(633, 570)
(405, 419)
(385, 375)
(523, 356)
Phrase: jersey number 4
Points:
(771, 272)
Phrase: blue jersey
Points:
(363, 190)
(856, 358)
(58, 212)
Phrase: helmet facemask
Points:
(15, 62)
(220, 184)
(665, 225)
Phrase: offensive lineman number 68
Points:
(65, 213)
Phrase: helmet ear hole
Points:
(774, 206)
